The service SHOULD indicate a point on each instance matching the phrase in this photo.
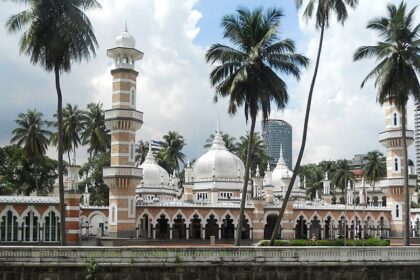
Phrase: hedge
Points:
(336, 242)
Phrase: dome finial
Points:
(217, 125)
(125, 27)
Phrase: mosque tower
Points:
(123, 120)
(393, 185)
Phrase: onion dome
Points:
(153, 174)
(125, 39)
(281, 171)
(218, 163)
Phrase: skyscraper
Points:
(278, 133)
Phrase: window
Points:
(396, 167)
(397, 211)
(51, 228)
(133, 96)
(9, 227)
(395, 118)
(30, 227)
(131, 151)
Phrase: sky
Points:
(173, 88)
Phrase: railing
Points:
(205, 256)
(396, 182)
(123, 114)
(122, 171)
(395, 134)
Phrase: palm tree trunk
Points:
(406, 190)
(302, 147)
(244, 188)
(60, 155)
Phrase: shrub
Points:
(335, 242)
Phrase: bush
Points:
(335, 242)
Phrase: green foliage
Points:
(92, 269)
(342, 174)
(230, 142)
(171, 153)
(258, 156)
(19, 175)
(335, 242)
(95, 133)
(93, 170)
(375, 167)
(314, 175)
(142, 147)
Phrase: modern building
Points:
(148, 203)
(417, 137)
(278, 134)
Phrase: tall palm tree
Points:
(396, 73)
(31, 135)
(375, 167)
(314, 175)
(171, 152)
(246, 71)
(230, 142)
(142, 147)
(324, 10)
(56, 33)
(95, 133)
(73, 119)
(259, 155)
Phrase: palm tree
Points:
(314, 175)
(396, 73)
(142, 147)
(230, 142)
(246, 71)
(341, 175)
(31, 135)
(57, 33)
(73, 119)
(171, 152)
(259, 155)
(324, 10)
(375, 167)
(95, 133)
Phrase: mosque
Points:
(147, 203)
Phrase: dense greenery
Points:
(396, 74)
(246, 71)
(230, 142)
(335, 242)
(259, 155)
(19, 175)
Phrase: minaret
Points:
(123, 120)
(393, 185)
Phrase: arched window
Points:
(133, 96)
(30, 227)
(131, 151)
(397, 211)
(51, 228)
(9, 227)
(395, 119)
(396, 165)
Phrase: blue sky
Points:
(173, 88)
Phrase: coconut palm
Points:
(259, 155)
(341, 175)
(56, 34)
(73, 119)
(396, 72)
(323, 10)
(95, 133)
(142, 147)
(375, 167)
(314, 175)
(247, 71)
(230, 142)
(31, 135)
(171, 152)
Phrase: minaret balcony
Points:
(122, 177)
(396, 182)
(392, 138)
(125, 119)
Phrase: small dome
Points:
(125, 40)
(280, 172)
(153, 174)
(218, 161)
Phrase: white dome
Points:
(153, 174)
(125, 40)
(218, 161)
(281, 172)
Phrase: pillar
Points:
(72, 217)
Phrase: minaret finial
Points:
(125, 26)
(281, 151)
(217, 125)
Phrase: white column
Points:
(154, 233)
(170, 233)
(203, 232)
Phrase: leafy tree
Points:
(324, 10)
(31, 135)
(342, 174)
(375, 167)
(230, 142)
(396, 74)
(56, 33)
(246, 71)
(95, 133)
(258, 156)
(171, 153)
(72, 129)
(94, 178)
